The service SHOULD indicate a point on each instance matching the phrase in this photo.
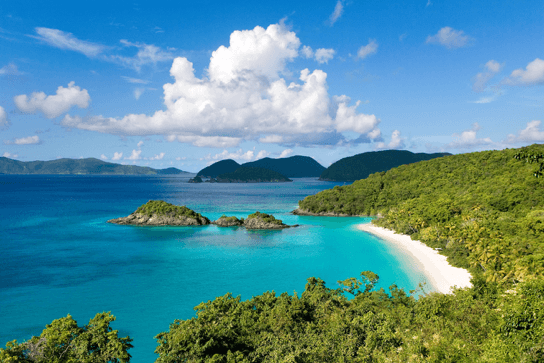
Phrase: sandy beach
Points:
(440, 273)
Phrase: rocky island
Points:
(225, 221)
(160, 213)
(260, 220)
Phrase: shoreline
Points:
(442, 276)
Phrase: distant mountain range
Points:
(291, 167)
(360, 166)
(78, 166)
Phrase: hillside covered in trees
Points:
(78, 166)
(247, 174)
(292, 167)
(485, 210)
(362, 165)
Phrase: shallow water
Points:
(58, 255)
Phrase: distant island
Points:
(246, 174)
(228, 171)
(161, 213)
(79, 166)
(362, 165)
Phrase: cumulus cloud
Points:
(307, 51)
(237, 155)
(140, 143)
(9, 155)
(54, 105)
(135, 155)
(369, 49)
(492, 67)
(531, 133)
(138, 92)
(449, 38)
(337, 13)
(117, 156)
(63, 40)
(468, 139)
(531, 75)
(4, 121)
(323, 55)
(243, 97)
(9, 70)
(103, 157)
(285, 153)
(156, 157)
(24, 141)
(397, 142)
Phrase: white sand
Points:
(439, 272)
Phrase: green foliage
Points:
(362, 165)
(63, 341)
(251, 174)
(230, 219)
(162, 208)
(293, 167)
(485, 210)
(268, 218)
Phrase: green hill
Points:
(293, 167)
(220, 167)
(362, 165)
(246, 174)
(77, 166)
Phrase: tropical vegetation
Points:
(162, 208)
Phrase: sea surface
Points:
(58, 255)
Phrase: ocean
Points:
(58, 255)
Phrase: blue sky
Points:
(186, 84)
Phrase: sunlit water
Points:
(58, 255)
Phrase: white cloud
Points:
(307, 51)
(531, 133)
(24, 141)
(135, 80)
(135, 155)
(140, 143)
(397, 142)
(117, 156)
(485, 100)
(147, 54)
(8, 155)
(138, 92)
(9, 70)
(285, 153)
(179, 158)
(337, 13)
(243, 98)
(103, 157)
(4, 121)
(262, 154)
(450, 38)
(468, 139)
(59, 39)
(237, 155)
(54, 105)
(481, 79)
(429, 3)
(532, 74)
(369, 49)
(156, 157)
(323, 55)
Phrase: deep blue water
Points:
(58, 255)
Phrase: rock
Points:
(225, 221)
(196, 179)
(259, 220)
(160, 213)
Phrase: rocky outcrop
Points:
(259, 220)
(225, 221)
(196, 179)
(160, 213)
(139, 219)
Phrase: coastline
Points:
(442, 276)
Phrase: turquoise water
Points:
(58, 255)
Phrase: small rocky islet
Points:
(161, 213)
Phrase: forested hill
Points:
(484, 209)
(220, 167)
(362, 165)
(293, 167)
(77, 166)
(245, 174)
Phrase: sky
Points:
(186, 84)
